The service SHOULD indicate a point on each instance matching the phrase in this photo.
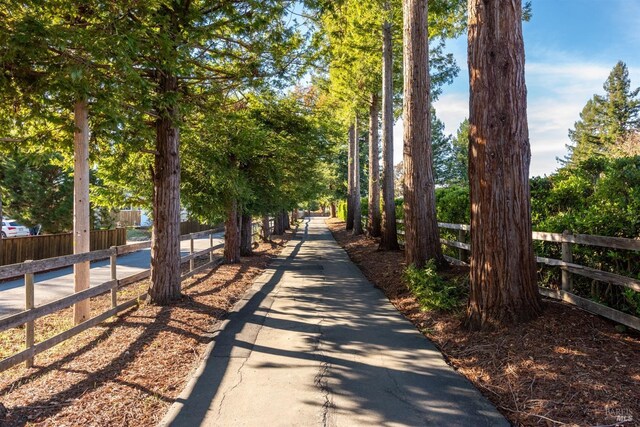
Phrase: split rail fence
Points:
(32, 313)
(566, 264)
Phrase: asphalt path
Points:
(53, 285)
(314, 343)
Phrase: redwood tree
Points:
(389, 233)
(357, 214)
(422, 239)
(503, 271)
(246, 235)
(374, 168)
(232, 234)
(350, 167)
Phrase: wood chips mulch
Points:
(567, 367)
(128, 370)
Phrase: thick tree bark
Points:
(81, 217)
(294, 216)
(285, 220)
(503, 271)
(374, 168)
(357, 212)
(165, 245)
(422, 237)
(389, 236)
(332, 210)
(266, 229)
(350, 183)
(278, 225)
(246, 235)
(232, 234)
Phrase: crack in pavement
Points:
(320, 379)
(224, 395)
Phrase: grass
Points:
(138, 234)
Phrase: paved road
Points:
(57, 284)
(316, 344)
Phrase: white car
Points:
(11, 228)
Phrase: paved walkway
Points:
(316, 344)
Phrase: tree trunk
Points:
(503, 270)
(278, 226)
(165, 240)
(232, 234)
(246, 235)
(389, 236)
(374, 168)
(350, 183)
(266, 229)
(332, 209)
(285, 220)
(294, 216)
(422, 238)
(357, 212)
(81, 217)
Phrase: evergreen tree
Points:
(606, 120)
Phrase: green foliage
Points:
(606, 119)
(432, 291)
(342, 210)
(37, 189)
(452, 204)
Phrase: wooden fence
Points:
(187, 227)
(19, 249)
(131, 218)
(31, 313)
(566, 264)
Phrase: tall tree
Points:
(503, 289)
(389, 232)
(351, 161)
(374, 168)
(357, 214)
(422, 237)
(606, 119)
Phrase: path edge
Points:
(176, 407)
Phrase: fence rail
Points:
(566, 264)
(19, 249)
(32, 313)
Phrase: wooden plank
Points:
(593, 307)
(455, 261)
(587, 239)
(593, 273)
(134, 247)
(53, 341)
(23, 317)
(455, 244)
(16, 270)
(134, 278)
(28, 306)
(454, 226)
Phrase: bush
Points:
(342, 210)
(452, 204)
(432, 291)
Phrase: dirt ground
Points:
(116, 374)
(567, 367)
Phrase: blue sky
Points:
(571, 46)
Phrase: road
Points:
(56, 284)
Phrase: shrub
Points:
(432, 291)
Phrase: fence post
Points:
(191, 251)
(567, 256)
(461, 239)
(113, 259)
(210, 247)
(28, 305)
